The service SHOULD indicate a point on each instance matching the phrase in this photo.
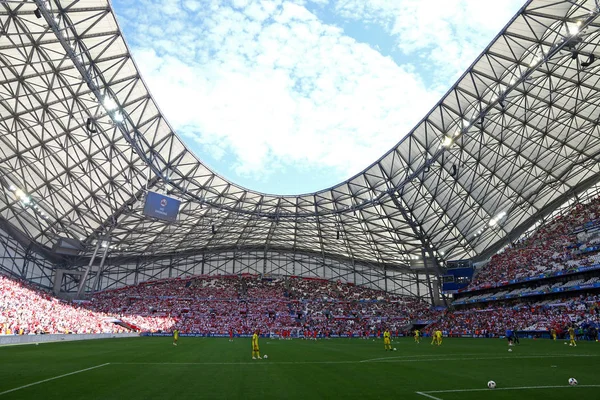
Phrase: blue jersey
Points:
(509, 333)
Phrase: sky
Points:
(296, 96)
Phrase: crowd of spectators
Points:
(220, 305)
(211, 305)
(565, 243)
(242, 304)
(25, 310)
(542, 316)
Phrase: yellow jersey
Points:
(255, 340)
(571, 332)
(386, 334)
(417, 333)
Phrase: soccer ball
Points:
(395, 349)
(265, 356)
(492, 385)
(572, 381)
(509, 350)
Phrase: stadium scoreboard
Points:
(162, 207)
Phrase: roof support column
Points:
(87, 270)
(100, 268)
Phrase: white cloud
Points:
(271, 84)
(447, 34)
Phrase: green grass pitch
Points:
(211, 368)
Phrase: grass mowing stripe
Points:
(51, 379)
(388, 360)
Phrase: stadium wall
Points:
(29, 339)
(18, 262)
(266, 263)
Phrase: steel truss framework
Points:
(81, 140)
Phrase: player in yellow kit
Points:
(417, 336)
(255, 349)
(553, 334)
(175, 337)
(387, 340)
(437, 337)
(572, 336)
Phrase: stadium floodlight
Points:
(118, 117)
(447, 141)
(494, 221)
(12, 188)
(109, 104)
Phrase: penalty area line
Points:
(51, 379)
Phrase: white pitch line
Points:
(507, 388)
(394, 360)
(51, 379)
(238, 363)
(423, 355)
(428, 395)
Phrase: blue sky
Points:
(290, 97)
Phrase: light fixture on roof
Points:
(12, 188)
(494, 221)
(447, 141)
(109, 104)
(118, 117)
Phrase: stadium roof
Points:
(82, 140)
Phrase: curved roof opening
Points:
(83, 141)
(296, 97)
